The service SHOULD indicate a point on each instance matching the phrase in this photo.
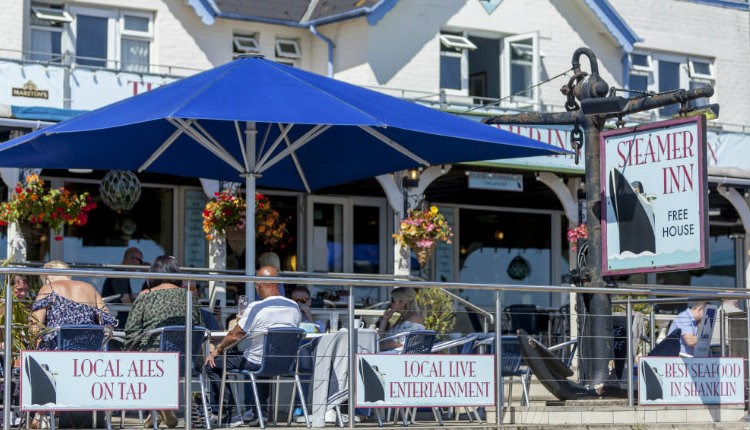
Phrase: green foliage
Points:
(21, 336)
(437, 309)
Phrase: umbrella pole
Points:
(250, 133)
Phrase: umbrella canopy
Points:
(268, 123)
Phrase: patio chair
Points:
(280, 352)
(512, 364)
(81, 337)
(414, 342)
(172, 339)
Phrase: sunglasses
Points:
(301, 300)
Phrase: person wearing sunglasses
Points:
(402, 315)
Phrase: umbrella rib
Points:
(310, 135)
(284, 133)
(298, 166)
(163, 147)
(395, 145)
(241, 142)
(209, 145)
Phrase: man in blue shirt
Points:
(688, 321)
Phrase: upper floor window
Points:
(95, 37)
(453, 60)
(490, 67)
(244, 44)
(665, 72)
(288, 48)
(47, 23)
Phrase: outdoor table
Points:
(331, 380)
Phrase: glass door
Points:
(346, 235)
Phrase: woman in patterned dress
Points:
(63, 301)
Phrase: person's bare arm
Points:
(235, 334)
(690, 339)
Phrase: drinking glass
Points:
(242, 302)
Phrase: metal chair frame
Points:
(271, 366)
(176, 343)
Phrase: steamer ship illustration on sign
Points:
(634, 214)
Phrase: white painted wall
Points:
(402, 50)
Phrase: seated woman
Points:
(63, 301)
(402, 315)
(165, 304)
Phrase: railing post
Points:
(747, 351)
(8, 359)
(353, 345)
(189, 358)
(652, 327)
(722, 334)
(629, 329)
(500, 395)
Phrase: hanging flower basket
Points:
(421, 230)
(575, 233)
(224, 215)
(34, 206)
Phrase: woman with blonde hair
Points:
(63, 301)
(402, 315)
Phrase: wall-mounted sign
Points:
(654, 210)
(30, 90)
(495, 181)
(70, 381)
(691, 381)
(387, 380)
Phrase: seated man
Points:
(688, 321)
(273, 310)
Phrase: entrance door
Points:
(347, 235)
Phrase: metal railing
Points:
(353, 281)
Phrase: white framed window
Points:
(105, 38)
(640, 62)
(663, 72)
(701, 69)
(288, 48)
(521, 65)
(54, 14)
(136, 34)
(641, 72)
(245, 44)
(457, 42)
(454, 61)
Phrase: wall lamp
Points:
(411, 179)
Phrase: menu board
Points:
(194, 250)
(444, 251)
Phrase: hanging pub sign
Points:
(654, 206)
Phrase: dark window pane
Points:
(504, 248)
(91, 41)
(638, 83)
(669, 79)
(701, 67)
(639, 60)
(450, 72)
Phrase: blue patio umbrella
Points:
(269, 124)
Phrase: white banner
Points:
(387, 380)
(690, 381)
(75, 380)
